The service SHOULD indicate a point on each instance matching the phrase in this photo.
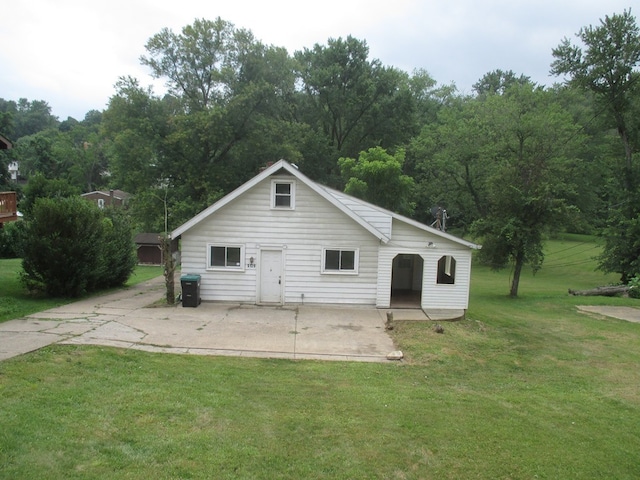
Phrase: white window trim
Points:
(276, 181)
(239, 268)
(356, 260)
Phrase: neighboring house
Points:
(14, 170)
(149, 249)
(116, 198)
(283, 239)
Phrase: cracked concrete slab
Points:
(132, 318)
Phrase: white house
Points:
(14, 170)
(282, 238)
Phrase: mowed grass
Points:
(522, 388)
(16, 301)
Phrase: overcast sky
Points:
(70, 53)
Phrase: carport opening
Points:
(406, 281)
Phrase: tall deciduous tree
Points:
(347, 94)
(135, 125)
(231, 89)
(606, 65)
(452, 166)
(527, 139)
(32, 117)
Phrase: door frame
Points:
(261, 249)
(414, 298)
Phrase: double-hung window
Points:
(283, 194)
(339, 260)
(225, 256)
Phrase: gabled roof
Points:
(119, 194)
(372, 218)
(364, 206)
(267, 172)
(147, 239)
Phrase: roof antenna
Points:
(441, 217)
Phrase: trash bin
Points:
(190, 290)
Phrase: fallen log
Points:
(609, 291)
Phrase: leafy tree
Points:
(41, 187)
(606, 67)
(35, 153)
(231, 89)
(377, 177)
(11, 240)
(451, 164)
(527, 139)
(346, 92)
(32, 117)
(429, 98)
(117, 250)
(200, 63)
(134, 127)
(498, 82)
(8, 111)
(5, 177)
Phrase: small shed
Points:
(149, 249)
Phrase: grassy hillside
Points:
(522, 388)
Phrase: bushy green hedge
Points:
(11, 239)
(71, 247)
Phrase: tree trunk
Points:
(169, 268)
(515, 283)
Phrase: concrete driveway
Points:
(125, 319)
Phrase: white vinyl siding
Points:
(408, 239)
(302, 233)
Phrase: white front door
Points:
(271, 276)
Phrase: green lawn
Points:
(16, 302)
(523, 388)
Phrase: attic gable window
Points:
(225, 257)
(340, 261)
(283, 194)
